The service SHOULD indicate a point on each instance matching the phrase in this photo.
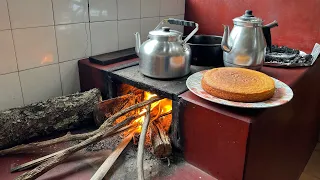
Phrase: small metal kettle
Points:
(246, 45)
(165, 55)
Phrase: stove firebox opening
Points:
(157, 139)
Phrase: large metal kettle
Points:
(246, 45)
(165, 55)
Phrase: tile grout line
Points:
(89, 27)
(15, 54)
(118, 24)
(160, 9)
(33, 27)
(55, 35)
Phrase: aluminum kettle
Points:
(165, 55)
(246, 45)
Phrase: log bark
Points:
(20, 125)
(161, 144)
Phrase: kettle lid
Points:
(248, 19)
(164, 33)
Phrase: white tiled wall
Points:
(41, 41)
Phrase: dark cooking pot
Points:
(206, 50)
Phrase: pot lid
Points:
(165, 32)
(248, 19)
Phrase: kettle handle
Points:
(181, 23)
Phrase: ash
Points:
(108, 143)
(125, 167)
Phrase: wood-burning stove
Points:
(118, 76)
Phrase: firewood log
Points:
(161, 144)
(22, 124)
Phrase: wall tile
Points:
(70, 11)
(69, 77)
(102, 10)
(182, 6)
(39, 84)
(150, 8)
(35, 47)
(170, 7)
(73, 41)
(4, 17)
(126, 30)
(104, 37)
(8, 61)
(30, 13)
(128, 9)
(147, 25)
(47, 55)
(10, 91)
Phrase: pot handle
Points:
(181, 23)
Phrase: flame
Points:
(164, 105)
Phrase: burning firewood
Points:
(19, 125)
(102, 132)
(109, 107)
(161, 144)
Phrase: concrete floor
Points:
(312, 170)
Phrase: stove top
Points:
(168, 88)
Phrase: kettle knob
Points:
(166, 29)
(248, 13)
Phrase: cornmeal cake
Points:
(238, 84)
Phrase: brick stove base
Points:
(233, 143)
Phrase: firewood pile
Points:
(139, 115)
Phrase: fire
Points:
(164, 106)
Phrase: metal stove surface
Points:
(170, 88)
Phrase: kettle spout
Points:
(138, 42)
(224, 43)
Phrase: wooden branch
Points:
(38, 161)
(124, 111)
(141, 145)
(107, 108)
(26, 147)
(107, 164)
(59, 158)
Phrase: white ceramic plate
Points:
(283, 94)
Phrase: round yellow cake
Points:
(238, 84)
